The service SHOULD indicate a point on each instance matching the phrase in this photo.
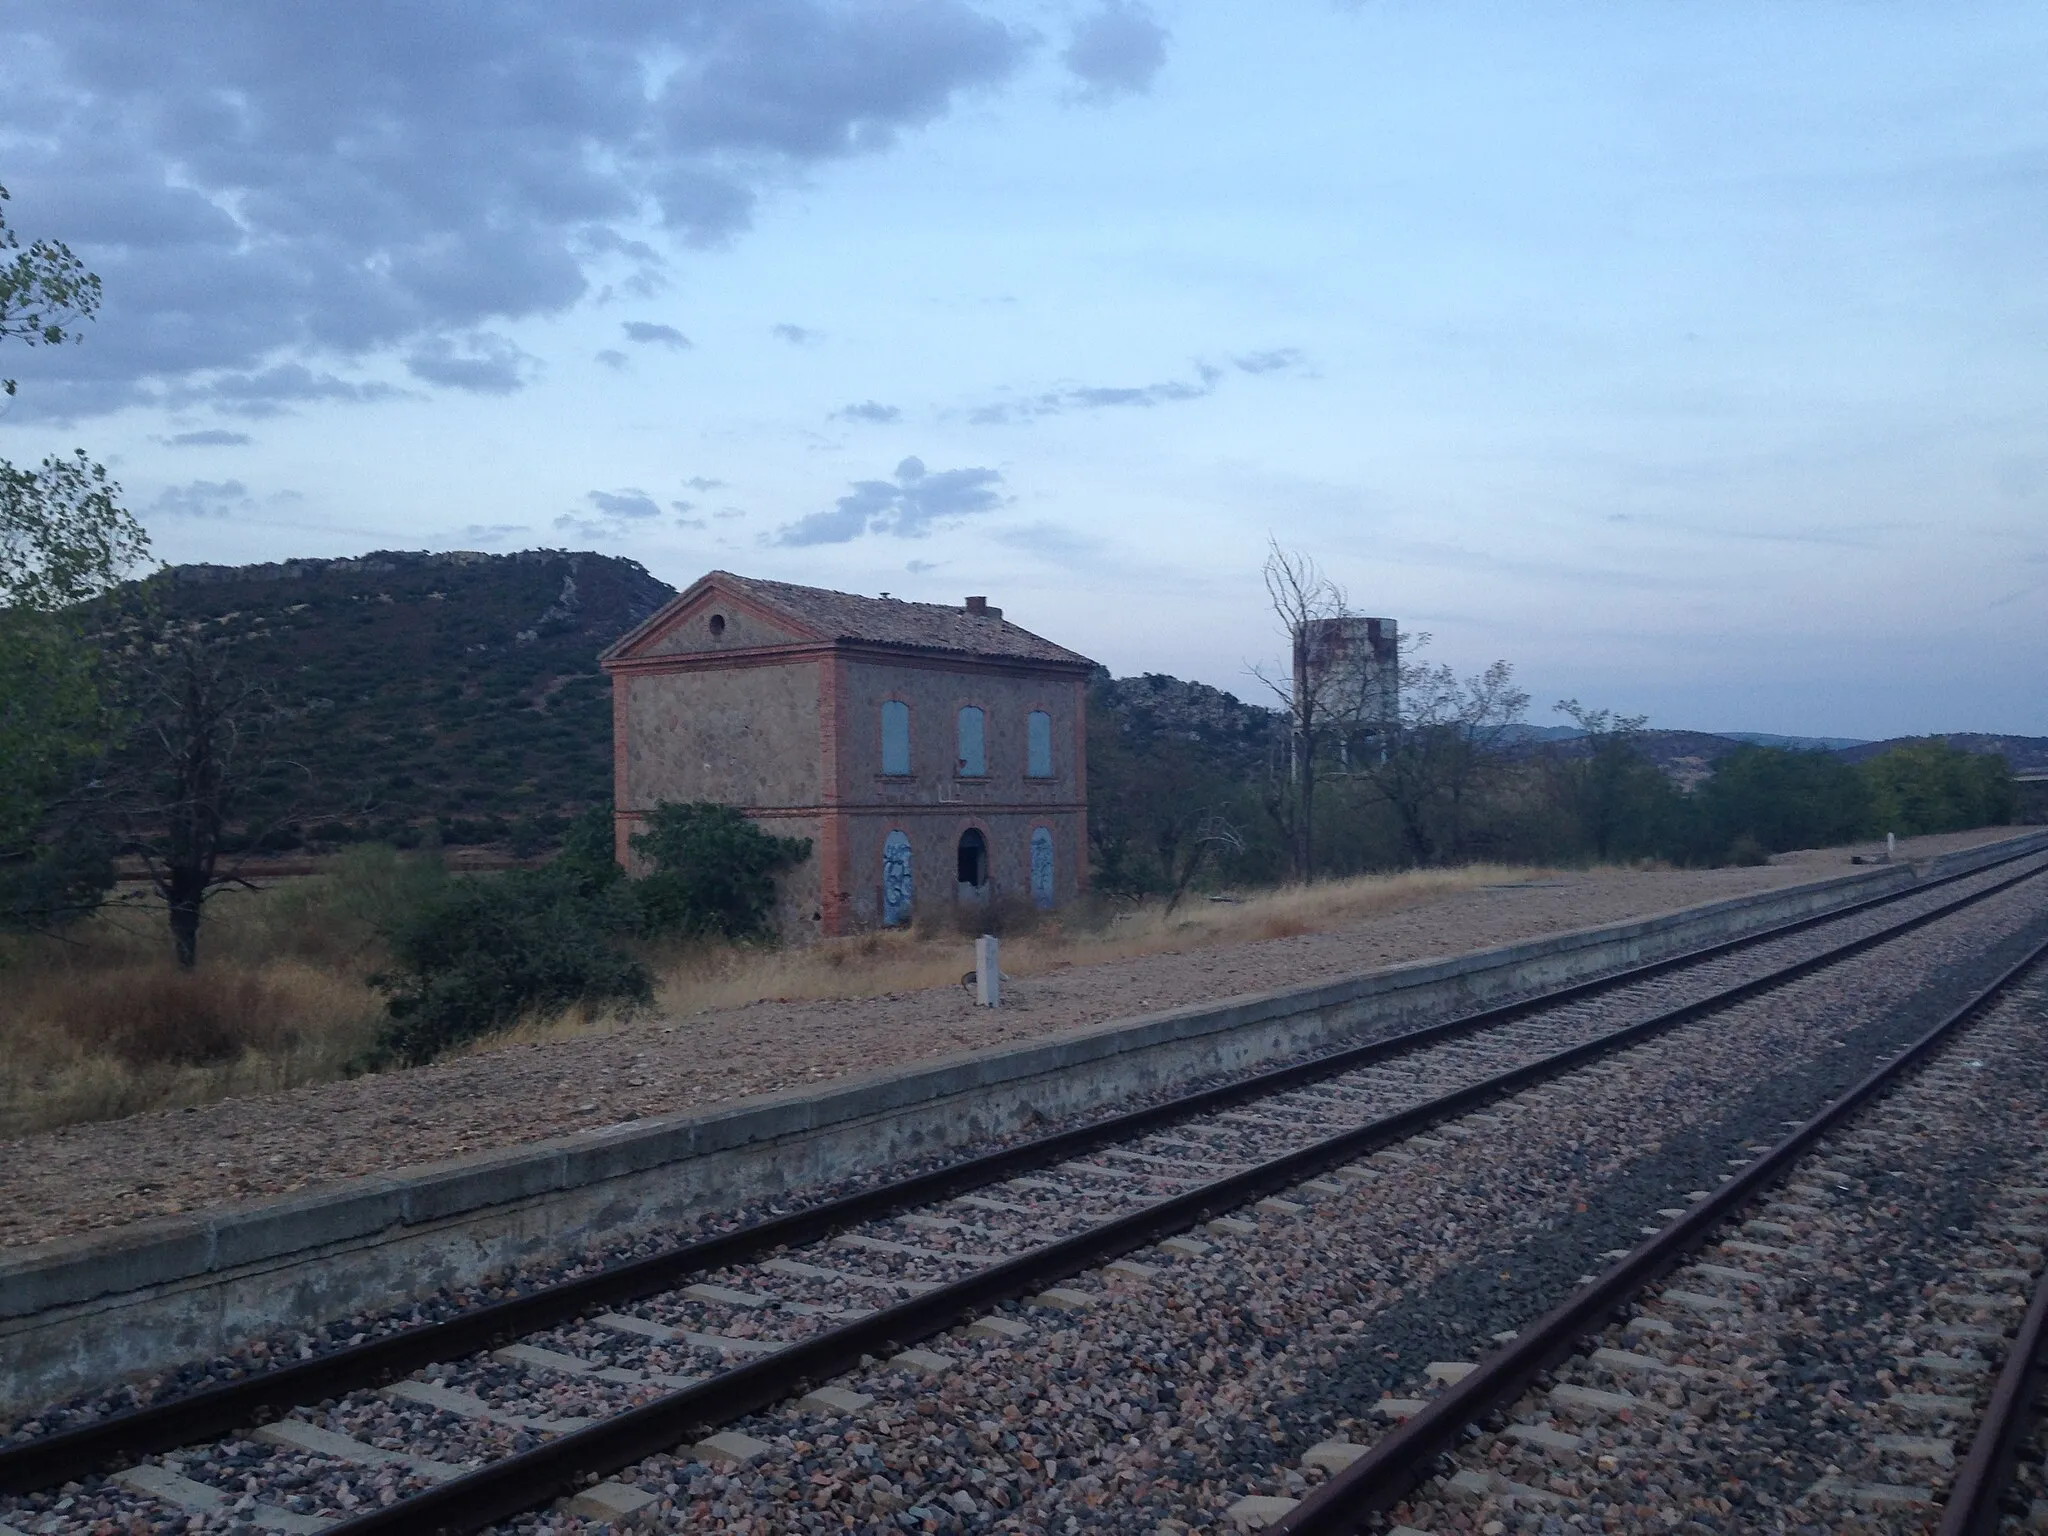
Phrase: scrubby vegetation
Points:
(102, 1023)
(471, 955)
(1189, 787)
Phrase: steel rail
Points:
(516, 1483)
(223, 1408)
(1407, 1457)
(1974, 1495)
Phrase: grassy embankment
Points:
(100, 1023)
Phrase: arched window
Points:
(895, 737)
(1041, 866)
(897, 892)
(973, 743)
(1038, 745)
(973, 862)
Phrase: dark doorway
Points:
(973, 858)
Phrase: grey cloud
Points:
(907, 506)
(482, 363)
(1097, 397)
(302, 183)
(202, 498)
(704, 483)
(647, 333)
(613, 512)
(212, 437)
(1059, 545)
(868, 410)
(272, 391)
(489, 533)
(611, 357)
(1116, 52)
(626, 503)
(797, 335)
(1275, 361)
(923, 567)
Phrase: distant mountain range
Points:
(462, 691)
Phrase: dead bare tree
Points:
(1212, 836)
(188, 771)
(1303, 599)
(1341, 693)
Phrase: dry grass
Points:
(871, 965)
(103, 1024)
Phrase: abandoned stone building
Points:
(933, 755)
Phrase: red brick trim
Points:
(1081, 781)
(621, 790)
(835, 858)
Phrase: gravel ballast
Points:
(1162, 1401)
(1822, 1366)
(1137, 1397)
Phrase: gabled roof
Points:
(832, 616)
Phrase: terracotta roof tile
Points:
(884, 621)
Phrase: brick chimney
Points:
(978, 606)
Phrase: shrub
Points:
(1930, 786)
(1747, 851)
(470, 956)
(714, 871)
(483, 950)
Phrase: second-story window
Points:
(1038, 745)
(895, 737)
(973, 744)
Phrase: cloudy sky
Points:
(1690, 355)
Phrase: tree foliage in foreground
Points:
(64, 539)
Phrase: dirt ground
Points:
(88, 1178)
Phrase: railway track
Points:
(1808, 1337)
(630, 1363)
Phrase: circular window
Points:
(717, 624)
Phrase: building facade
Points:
(933, 755)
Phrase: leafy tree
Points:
(713, 871)
(64, 540)
(1617, 800)
(1446, 750)
(1161, 809)
(44, 291)
(1780, 798)
(1930, 786)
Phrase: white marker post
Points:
(988, 971)
(1891, 845)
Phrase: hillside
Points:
(459, 690)
(1236, 738)
(2023, 754)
